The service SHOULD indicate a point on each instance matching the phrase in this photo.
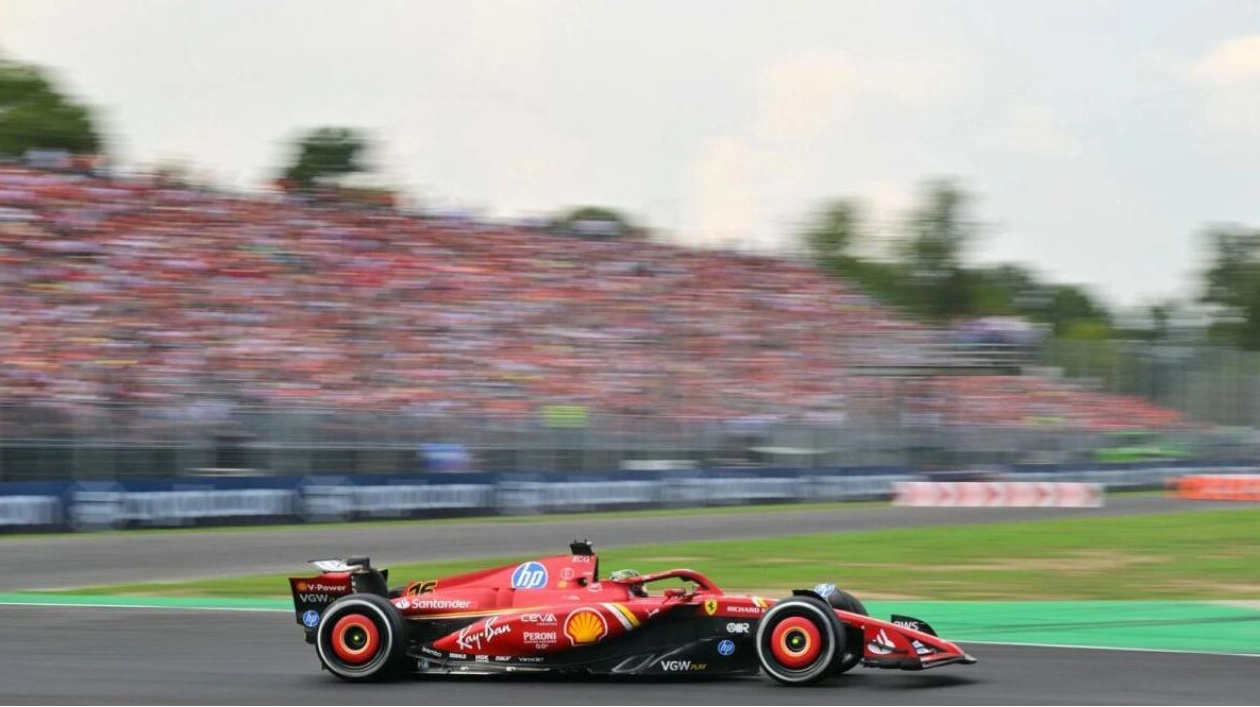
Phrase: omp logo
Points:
(682, 666)
(737, 628)
(585, 626)
(538, 618)
(529, 575)
(314, 598)
(710, 606)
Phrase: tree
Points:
(594, 222)
(324, 154)
(1232, 283)
(938, 235)
(1072, 308)
(1006, 289)
(34, 115)
(832, 231)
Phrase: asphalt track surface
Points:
(65, 655)
(77, 560)
(142, 656)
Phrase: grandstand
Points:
(132, 308)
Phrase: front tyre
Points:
(797, 640)
(852, 655)
(360, 638)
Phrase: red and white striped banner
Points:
(997, 494)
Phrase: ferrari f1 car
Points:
(557, 615)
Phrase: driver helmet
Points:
(626, 577)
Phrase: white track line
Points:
(957, 642)
(1101, 648)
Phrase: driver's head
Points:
(626, 577)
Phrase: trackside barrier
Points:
(71, 505)
(90, 506)
(990, 494)
(1218, 487)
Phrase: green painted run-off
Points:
(1160, 625)
(1163, 625)
(148, 602)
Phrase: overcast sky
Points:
(1100, 136)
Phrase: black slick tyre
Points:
(852, 654)
(360, 638)
(798, 640)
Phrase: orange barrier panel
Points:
(1218, 487)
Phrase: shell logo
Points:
(301, 586)
(585, 626)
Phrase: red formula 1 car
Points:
(556, 615)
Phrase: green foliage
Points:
(324, 154)
(832, 231)
(1232, 283)
(928, 274)
(594, 221)
(938, 235)
(35, 115)
(939, 231)
(1071, 308)
(1083, 330)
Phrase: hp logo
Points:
(726, 647)
(310, 618)
(529, 575)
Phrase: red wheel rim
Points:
(355, 639)
(796, 642)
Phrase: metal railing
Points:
(131, 442)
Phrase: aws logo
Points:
(585, 626)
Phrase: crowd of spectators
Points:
(139, 292)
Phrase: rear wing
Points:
(338, 578)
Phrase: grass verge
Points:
(1188, 555)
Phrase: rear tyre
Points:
(798, 640)
(852, 655)
(360, 638)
